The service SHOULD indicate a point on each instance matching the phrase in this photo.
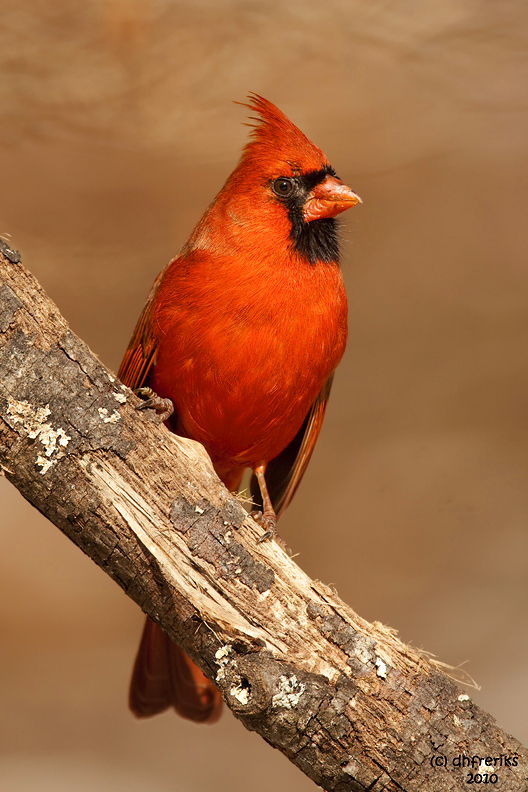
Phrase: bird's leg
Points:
(163, 407)
(267, 518)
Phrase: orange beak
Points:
(328, 199)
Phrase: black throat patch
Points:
(317, 240)
(314, 241)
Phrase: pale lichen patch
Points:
(114, 418)
(290, 692)
(222, 658)
(120, 397)
(44, 463)
(36, 426)
(241, 693)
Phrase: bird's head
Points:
(283, 190)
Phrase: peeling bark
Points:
(345, 700)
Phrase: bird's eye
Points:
(282, 187)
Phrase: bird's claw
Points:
(269, 521)
(163, 407)
(267, 535)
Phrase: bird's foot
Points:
(269, 522)
(163, 407)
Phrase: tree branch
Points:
(345, 700)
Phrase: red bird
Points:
(242, 333)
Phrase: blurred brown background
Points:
(117, 131)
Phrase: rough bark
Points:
(345, 700)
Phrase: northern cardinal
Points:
(242, 333)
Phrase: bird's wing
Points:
(141, 352)
(284, 473)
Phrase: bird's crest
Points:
(275, 137)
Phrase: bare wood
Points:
(345, 700)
